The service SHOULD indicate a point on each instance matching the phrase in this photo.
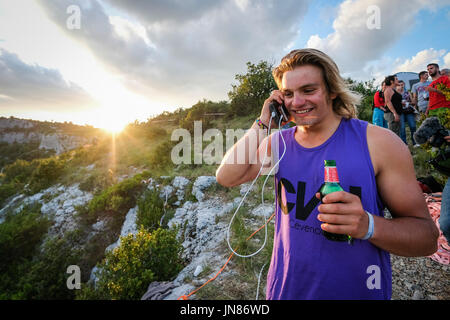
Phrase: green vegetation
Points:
(118, 198)
(150, 210)
(46, 276)
(20, 237)
(367, 91)
(25, 151)
(126, 272)
(248, 95)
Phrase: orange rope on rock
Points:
(186, 297)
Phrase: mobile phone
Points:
(280, 111)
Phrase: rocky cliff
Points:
(14, 130)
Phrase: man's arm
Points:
(411, 232)
(414, 99)
(244, 160)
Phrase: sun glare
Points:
(117, 107)
(112, 115)
(111, 121)
(114, 127)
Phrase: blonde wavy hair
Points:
(345, 102)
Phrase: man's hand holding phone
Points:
(275, 96)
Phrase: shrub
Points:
(85, 156)
(20, 171)
(127, 271)
(150, 210)
(154, 132)
(46, 174)
(39, 174)
(10, 152)
(20, 236)
(47, 276)
(20, 233)
(7, 190)
(160, 159)
(117, 198)
(443, 114)
(98, 180)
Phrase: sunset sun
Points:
(113, 125)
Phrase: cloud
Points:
(24, 86)
(181, 50)
(420, 60)
(447, 60)
(356, 42)
(170, 11)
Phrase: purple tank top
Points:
(304, 264)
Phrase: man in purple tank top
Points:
(375, 170)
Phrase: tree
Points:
(200, 112)
(367, 91)
(252, 89)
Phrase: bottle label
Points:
(331, 174)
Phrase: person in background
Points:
(408, 114)
(379, 107)
(419, 94)
(437, 98)
(393, 103)
(439, 107)
(445, 72)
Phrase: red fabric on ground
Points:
(442, 255)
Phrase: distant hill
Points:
(30, 139)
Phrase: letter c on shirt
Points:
(284, 186)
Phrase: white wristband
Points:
(370, 230)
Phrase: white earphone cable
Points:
(262, 194)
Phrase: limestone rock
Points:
(129, 226)
(200, 184)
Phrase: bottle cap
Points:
(330, 163)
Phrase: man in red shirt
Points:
(437, 98)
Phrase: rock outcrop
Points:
(61, 143)
(12, 123)
(60, 208)
(14, 130)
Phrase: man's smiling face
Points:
(306, 95)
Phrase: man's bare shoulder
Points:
(377, 134)
(385, 147)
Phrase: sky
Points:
(110, 62)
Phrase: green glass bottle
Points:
(331, 184)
